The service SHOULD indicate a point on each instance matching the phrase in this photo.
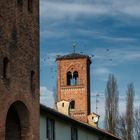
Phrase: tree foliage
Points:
(130, 111)
(137, 124)
(126, 125)
(126, 121)
(111, 105)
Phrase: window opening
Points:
(5, 67)
(69, 78)
(75, 77)
(72, 105)
(30, 6)
(62, 104)
(74, 133)
(72, 78)
(32, 82)
(50, 129)
(20, 3)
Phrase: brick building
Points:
(74, 84)
(19, 70)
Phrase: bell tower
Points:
(74, 84)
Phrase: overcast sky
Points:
(108, 31)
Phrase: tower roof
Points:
(73, 56)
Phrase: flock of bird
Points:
(50, 61)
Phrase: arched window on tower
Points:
(75, 78)
(30, 6)
(72, 104)
(5, 68)
(32, 82)
(69, 78)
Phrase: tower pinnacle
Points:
(74, 47)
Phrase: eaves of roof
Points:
(73, 56)
(78, 123)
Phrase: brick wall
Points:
(19, 43)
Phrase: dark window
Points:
(32, 82)
(62, 104)
(50, 125)
(69, 78)
(5, 67)
(72, 105)
(74, 133)
(20, 3)
(72, 78)
(75, 78)
(30, 6)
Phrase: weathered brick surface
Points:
(80, 93)
(19, 41)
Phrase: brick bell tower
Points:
(19, 70)
(74, 84)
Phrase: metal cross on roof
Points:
(74, 47)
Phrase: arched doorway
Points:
(17, 122)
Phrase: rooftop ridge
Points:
(73, 56)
